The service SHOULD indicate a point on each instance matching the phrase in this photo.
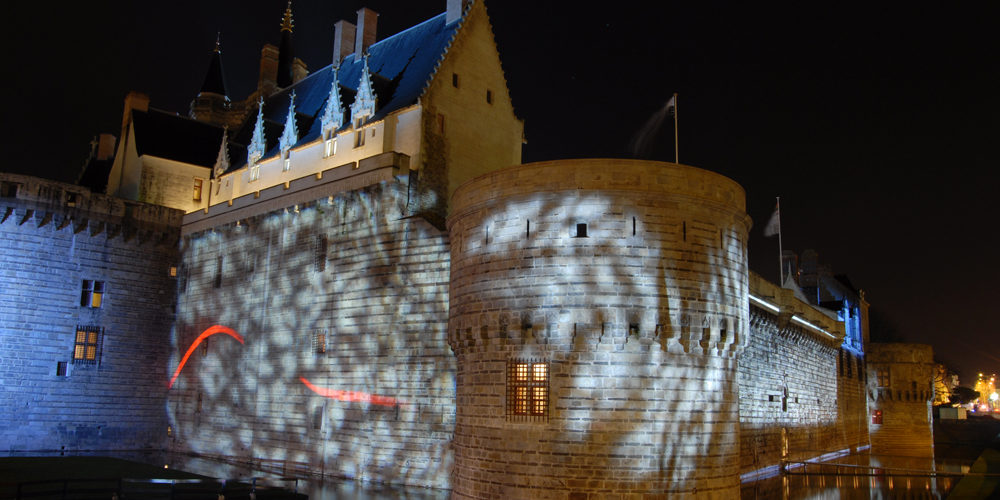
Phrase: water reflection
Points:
(861, 476)
(317, 489)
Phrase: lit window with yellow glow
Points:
(92, 294)
(527, 390)
(86, 346)
(883, 377)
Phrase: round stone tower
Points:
(597, 308)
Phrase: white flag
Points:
(773, 226)
(671, 104)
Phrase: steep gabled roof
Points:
(167, 135)
(401, 65)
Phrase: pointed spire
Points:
(286, 57)
(286, 22)
(364, 102)
(257, 146)
(291, 133)
(222, 160)
(333, 114)
(215, 80)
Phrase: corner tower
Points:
(597, 308)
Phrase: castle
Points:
(351, 273)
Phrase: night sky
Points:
(874, 124)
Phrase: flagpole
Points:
(676, 153)
(781, 262)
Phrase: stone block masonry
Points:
(900, 390)
(797, 401)
(344, 371)
(85, 320)
(597, 309)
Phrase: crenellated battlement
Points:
(31, 200)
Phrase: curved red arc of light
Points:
(352, 396)
(212, 330)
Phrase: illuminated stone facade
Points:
(573, 328)
(341, 302)
(800, 398)
(628, 280)
(85, 318)
(900, 391)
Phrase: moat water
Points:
(848, 477)
(851, 476)
(861, 476)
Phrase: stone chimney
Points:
(268, 80)
(455, 10)
(134, 100)
(343, 38)
(365, 36)
(105, 146)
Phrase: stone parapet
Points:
(25, 199)
(352, 176)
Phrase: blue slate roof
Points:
(401, 66)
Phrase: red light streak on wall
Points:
(212, 330)
(352, 396)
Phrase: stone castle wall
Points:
(626, 281)
(55, 238)
(341, 305)
(793, 403)
(900, 391)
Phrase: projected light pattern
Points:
(201, 338)
(346, 294)
(352, 396)
(630, 279)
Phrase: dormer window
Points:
(363, 107)
(254, 171)
(359, 138)
(289, 136)
(257, 143)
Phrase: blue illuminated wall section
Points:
(109, 394)
(341, 304)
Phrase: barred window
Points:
(319, 343)
(527, 390)
(92, 293)
(87, 345)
